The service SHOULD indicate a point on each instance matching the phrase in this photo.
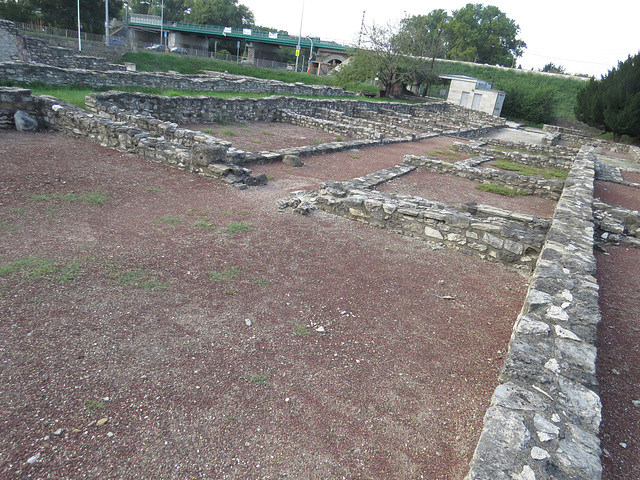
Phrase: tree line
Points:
(63, 13)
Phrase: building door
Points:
(464, 99)
(475, 104)
(497, 109)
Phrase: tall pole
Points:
(299, 36)
(161, 23)
(106, 22)
(79, 39)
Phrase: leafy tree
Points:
(16, 11)
(422, 35)
(613, 103)
(382, 56)
(482, 34)
(64, 13)
(551, 68)
(220, 12)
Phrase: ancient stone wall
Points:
(118, 77)
(480, 230)
(549, 160)
(544, 187)
(26, 48)
(545, 415)
(13, 99)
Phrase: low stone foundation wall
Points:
(487, 232)
(544, 187)
(548, 160)
(13, 99)
(39, 73)
(27, 48)
(545, 414)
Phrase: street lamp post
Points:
(106, 22)
(79, 39)
(310, 54)
(299, 36)
(162, 23)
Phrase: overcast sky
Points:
(590, 39)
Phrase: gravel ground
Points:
(162, 325)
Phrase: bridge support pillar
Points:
(262, 51)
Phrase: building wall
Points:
(458, 87)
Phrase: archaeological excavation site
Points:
(307, 288)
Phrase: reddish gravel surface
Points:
(126, 288)
(619, 361)
(633, 177)
(620, 195)
(458, 191)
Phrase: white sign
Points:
(226, 30)
(246, 31)
(273, 34)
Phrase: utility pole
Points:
(361, 28)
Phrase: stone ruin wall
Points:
(544, 187)
(25, 48)
(544, 416)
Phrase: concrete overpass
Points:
(261, 44)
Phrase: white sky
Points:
(583, 37)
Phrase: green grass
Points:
(236, 227)
(204, 224)
(259, 379)
(138, 278)
(261, 282)
(34, 268)
(170, 220)
(155, 190)
(441, 151)
(302, 330)
(92, 198)
(499, 189)
(225, 275)
(554, 173)
(93, 405)
(6, 227)
(228, 132)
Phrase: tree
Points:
(220, 12)
(422, 35)
(613, 103)
(16, 11)
(482, 34)
(551, 68)
(382, 56)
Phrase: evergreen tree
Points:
(613, 103)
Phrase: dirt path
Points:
(128, 288)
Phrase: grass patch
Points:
(34, 268)
(554, 173)
(302, 330)
(93, 405)
(96, 198)
(265, 132)
(92, 198)
(225, 275)
(236, 227)
(499, 190)
(6, 227)
(355, 156)
(440, 151)
(204, 224)
(170, 220)
(19, 211)
(155, 190)
(138, 278)
(259, 379)
(261, 282)
(228, 132)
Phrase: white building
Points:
(474, 93)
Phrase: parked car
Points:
(157, 48)
(116, 41)
(179, 50)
